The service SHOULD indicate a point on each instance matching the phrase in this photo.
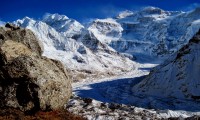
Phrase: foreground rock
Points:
(29, 81)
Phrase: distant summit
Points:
(63, 24)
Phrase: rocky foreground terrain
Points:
(15, 114)
(95, 110)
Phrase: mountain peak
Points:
(62, 23)
(152, 10)
(54, 17)
(124, 14)
(107, 20)
(25, 21)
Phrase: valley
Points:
(137, 65)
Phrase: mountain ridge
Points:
(114, 43)
(80, 51)
(151, 26)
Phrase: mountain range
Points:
(115, 45)
(129, 44)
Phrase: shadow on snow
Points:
(119, 91)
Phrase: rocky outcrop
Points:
(29, 81)
(12, 27)
(24, 36)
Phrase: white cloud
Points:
(192, 6)
(2, 23)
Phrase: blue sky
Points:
(84, 9)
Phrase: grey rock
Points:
(29, 81)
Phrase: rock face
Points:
(29, 81)
(178, 77)
(23, 36)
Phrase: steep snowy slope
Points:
(106, 30)
(150, 31)
(67, 40)
(64, 25)
(176, 78)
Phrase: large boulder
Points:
(29, 81)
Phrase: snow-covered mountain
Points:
(64, 25)
(150, 31)
(66, 40)
(178, 77)
(106, 30)
(106, 44)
